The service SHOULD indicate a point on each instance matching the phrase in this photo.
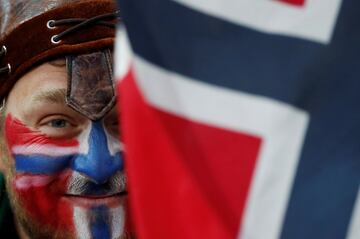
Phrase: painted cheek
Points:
(34, 152)
(17, 133)
(42, 201)
(44, 167)
(41, 174)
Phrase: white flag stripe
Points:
(123, 53)
(29, 181)
(81, 222)
(210, 104)
(354, 229)
(117, 219)
(281, 126)
(114, 146)
(315, 21)
(113, 143)
(44, 149)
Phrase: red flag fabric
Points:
(236, 121)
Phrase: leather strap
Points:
(90, 84)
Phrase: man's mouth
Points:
(111, 200)
(81, 185)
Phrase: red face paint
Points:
(43, 172)
(19, 134)
(44, 203)
(294, 2)
(40, 194)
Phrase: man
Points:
(60, 152)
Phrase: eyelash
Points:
(52, 123)
(48, 120)
(58, 126)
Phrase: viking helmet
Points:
(82, 31)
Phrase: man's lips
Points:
(112, 200)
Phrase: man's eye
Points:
(58, 123)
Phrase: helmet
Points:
(83, 31)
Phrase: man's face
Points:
(64, 172)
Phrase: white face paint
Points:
(98, 207)
(117, 219)
(81, 221)
(68, 171)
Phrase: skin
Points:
(48, 150)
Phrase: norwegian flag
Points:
(241, 117)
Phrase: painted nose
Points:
(98, 164)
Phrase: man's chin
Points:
(91, 214)
(28, 228)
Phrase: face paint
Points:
(69, 185)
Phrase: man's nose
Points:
(98, 164)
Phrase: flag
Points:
(241, 118)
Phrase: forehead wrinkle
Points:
(51, 96)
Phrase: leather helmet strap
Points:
(90, 84)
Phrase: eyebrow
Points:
(51, 96)
(58, 62)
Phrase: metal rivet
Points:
(3, 48)
(54, 41)
(2, 106)
(50, 24)
(9, 67)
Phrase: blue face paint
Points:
(41, 164)
(81, 177)
(98, 164)
(99, 226)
